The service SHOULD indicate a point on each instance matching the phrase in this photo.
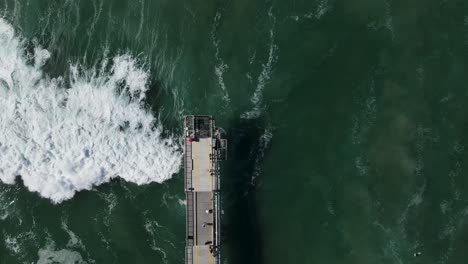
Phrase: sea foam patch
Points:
(62, 138)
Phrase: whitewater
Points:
(63, 135)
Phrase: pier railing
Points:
(188, 165)
(190, 220)
(188, 254)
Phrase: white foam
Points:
(62, 139)
(182, 202)
(111, 201)
(323, 7)
(49, 255)
(5, 203)
(151, 228)
(17, 243)
(264, 143)
(365, 118)
(74, 241)
(265, 75)
(385, 21)
(361, 165)
(445, 206)
(220, 67)
(12, 244)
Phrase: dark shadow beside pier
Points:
(241, 225)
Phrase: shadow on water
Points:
(241, 225)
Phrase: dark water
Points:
(346, 123)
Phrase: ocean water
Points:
(346, 123)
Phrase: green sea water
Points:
(346, 123)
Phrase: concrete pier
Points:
(203, 150)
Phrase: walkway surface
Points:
(201, 184)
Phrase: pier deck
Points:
(203, 150)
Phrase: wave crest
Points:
(65, 138)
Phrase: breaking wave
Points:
(62, 137)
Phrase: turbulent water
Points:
(61, 139)
(346, 122)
